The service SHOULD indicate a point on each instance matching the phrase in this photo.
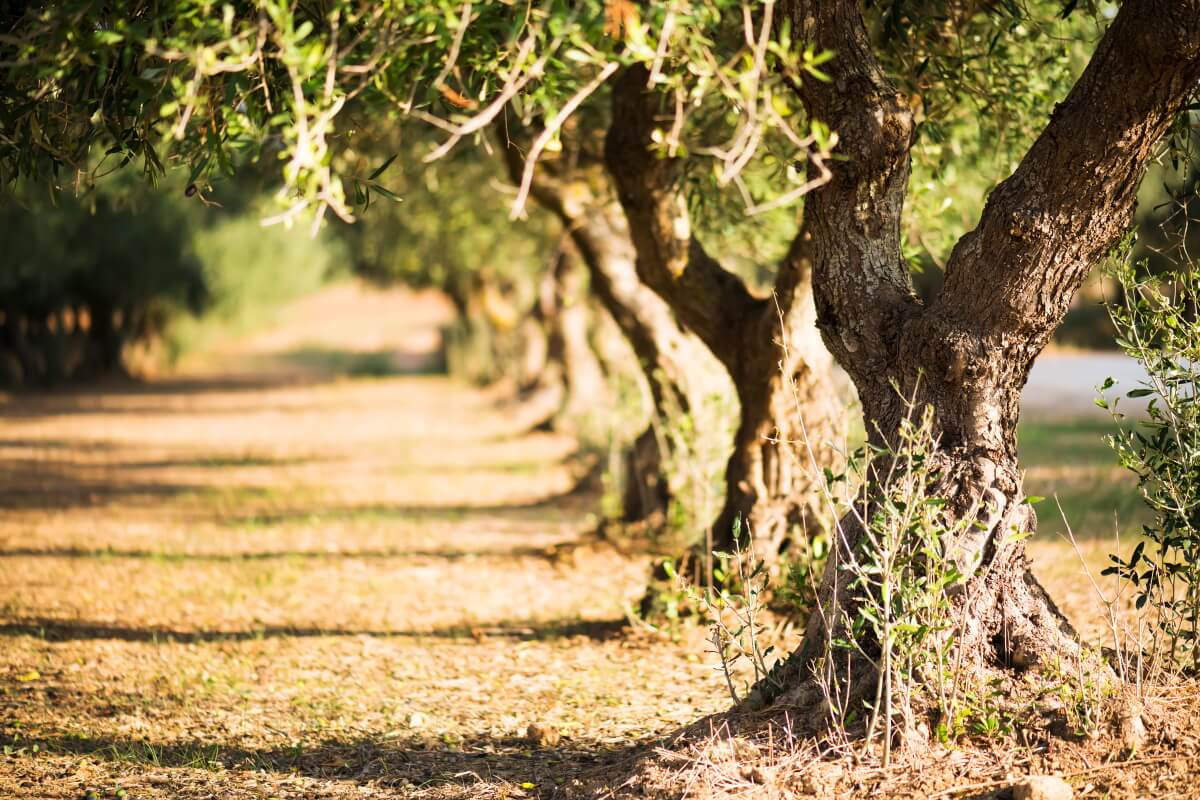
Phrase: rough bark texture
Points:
(575, 188)
(791, 417)
(1008, 284)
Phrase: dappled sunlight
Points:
(606, 400)
(320, 577)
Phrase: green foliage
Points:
(206, 84)
(982, 86)
(982, 83)
(85, 277)
(248, 271)
(82, 278)
(1081, 694)
(804, 564)
(451, 231)
(902, 571)
(1169, 203)
(1158, 325)
(733, 609)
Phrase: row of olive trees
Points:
(82, 278)
(649, 131)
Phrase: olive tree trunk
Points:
(791, 421)
(1008, 284)
(791, 417)
(576, 189)
(571, 336)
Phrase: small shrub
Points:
(804, 563)
(1157, 323)
(901, 578)
(734, 610)
(249, 272)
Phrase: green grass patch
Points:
(1068, 460)
(357, 364)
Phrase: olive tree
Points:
(827, 98)
(208, 86)
(1008, 283)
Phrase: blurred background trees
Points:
(85, 276)
(89, 279)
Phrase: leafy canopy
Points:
(88, 85)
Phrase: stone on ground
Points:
(1043, 787)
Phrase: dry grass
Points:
(301, 586)
(282, 583)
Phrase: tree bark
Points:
(585, 382)
(791, 419)
(106, 338)
(1008, 284)
(576, 189)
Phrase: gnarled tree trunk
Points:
(576, 189)
(1008, 284)
(791, 419)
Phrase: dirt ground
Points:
(259, 579)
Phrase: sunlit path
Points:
(289, 582)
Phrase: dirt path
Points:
(278, 584)
(261, 580)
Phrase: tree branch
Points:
(710, 301)
(576, 188)
(1074, 193)
(851, 233)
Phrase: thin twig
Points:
(552, 128)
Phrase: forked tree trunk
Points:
(791, 418)
(1008, 284)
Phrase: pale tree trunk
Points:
(576, 189)
(670, 360)
(791, 418)
(646, 492)
(557, 357)
(1008, 284)
(538, 368)
(585, 383)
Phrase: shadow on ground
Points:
(60, 630)
(57, 484)
(34, 483)
(550, 552)
(89, 398)
(400, 762)
(386, 362)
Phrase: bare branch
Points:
(552, 128)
